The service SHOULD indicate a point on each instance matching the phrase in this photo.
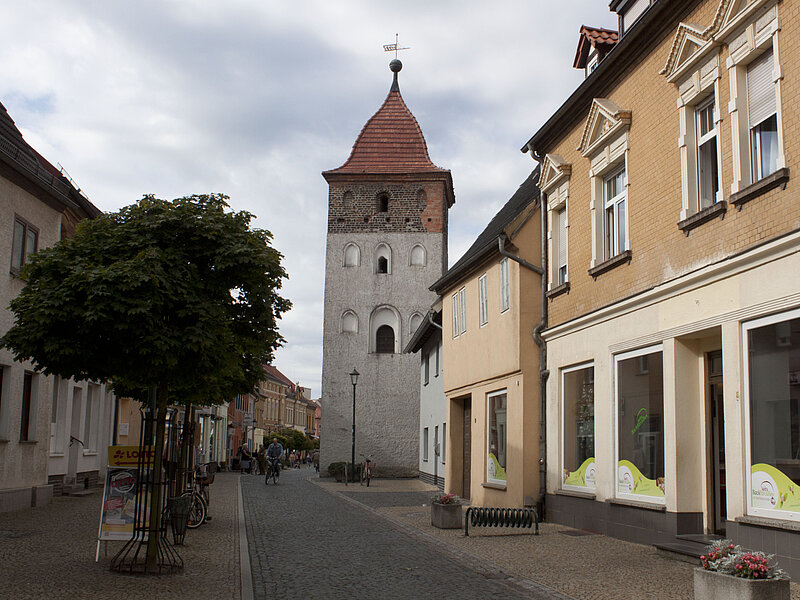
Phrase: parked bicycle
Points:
(367, 466)
(198, 493)
(273, 471)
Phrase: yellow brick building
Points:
(673, 253)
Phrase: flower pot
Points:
(710, 585)
(446, 516)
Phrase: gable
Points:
(605, 120)
(686, 44)
(554, 168)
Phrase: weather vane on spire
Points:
(394, 47)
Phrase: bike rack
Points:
(480, 516)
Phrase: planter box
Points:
(710, 585)
(446, 516)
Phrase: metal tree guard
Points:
(133, 555)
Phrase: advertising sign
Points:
(119, 496)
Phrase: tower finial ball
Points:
(395, 66)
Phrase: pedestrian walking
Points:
(247, 459)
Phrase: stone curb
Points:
(472, 561)
(245, 572)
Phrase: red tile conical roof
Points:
(390, 142)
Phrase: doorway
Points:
(715, 409)
(466, 447)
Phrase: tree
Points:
(180, 296)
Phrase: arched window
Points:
(414, 322)
(383, 259)
(422, 198)
(352, 255)
(417, 257)
(349, 322)
(384, 340)
(384, 329)
(383, 202)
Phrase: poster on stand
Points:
(119, 495)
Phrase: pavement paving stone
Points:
(48, 552)
(592, 567)
(307, 543)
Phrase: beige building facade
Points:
(490, 307)
(674, 297)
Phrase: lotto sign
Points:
(128, 456)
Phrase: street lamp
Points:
(354, 379)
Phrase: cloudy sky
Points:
(254, 98)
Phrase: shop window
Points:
(496, 438)
(772, 390)
(577, 396)
(640, 425)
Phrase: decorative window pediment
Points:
(554, 170)
(688, 43)
(605, 121)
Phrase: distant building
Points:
(427, 342)
(387, 242)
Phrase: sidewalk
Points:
(48, 552)
(565, 560)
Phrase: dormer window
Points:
(594, 43)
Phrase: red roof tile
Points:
(601, 39)
(390, 142)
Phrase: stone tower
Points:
(387, 242)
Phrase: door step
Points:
(688, 547)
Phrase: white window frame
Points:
(748, 35)
(24, 252)
(564, 372)
(746, 327)
(701, 140)
(483, 301)
(489, 396)
(444, 442)
(561, 272)
(612, 204)
(505, 286)
(617, 359)
(462, 298)
(456, 316)
(756, 166)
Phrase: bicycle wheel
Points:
(369, 475)
(197, 510)
(275, 474)
(267, 476)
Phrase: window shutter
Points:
(760, 89)
(562, 237)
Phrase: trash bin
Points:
(178, 517)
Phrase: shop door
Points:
(466, 446)
(717, 439)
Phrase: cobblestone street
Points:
(307, 543)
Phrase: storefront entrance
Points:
(716, 450)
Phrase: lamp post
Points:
(354, 380)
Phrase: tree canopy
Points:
(181, 293)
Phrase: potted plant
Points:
(446, 511)
(728, 571)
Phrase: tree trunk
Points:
(155, 497)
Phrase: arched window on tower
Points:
(384, 340)
(417, 257)
(384, 329)
(349, 322)
(414, 323)
(383, 259)
(383, 202)
(352, 255)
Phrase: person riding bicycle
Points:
(274, 453)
